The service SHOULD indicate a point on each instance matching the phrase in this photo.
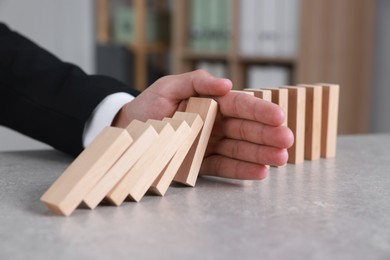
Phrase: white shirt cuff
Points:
(103, 115)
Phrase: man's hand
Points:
(247, 134)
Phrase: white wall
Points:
(380, 113)
(66, 28)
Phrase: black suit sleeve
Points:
(45, 98)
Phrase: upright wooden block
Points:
(207, 108)
(313, 121)
(280, 97)
(140, 177)
(68, 191)
(243, 92)
(330, 107)
(143, 136)
(264, 94)
(161, 184)
(296, 122)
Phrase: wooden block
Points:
(141, 176)
(280, 97)
(243, 92)
(296, 122)
(207, 108)
(68, 191)
(313, 121)
(266, 94)
(161, 184)
(330, 108)
(261, 93)
(143, 136)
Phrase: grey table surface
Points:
(325, 209)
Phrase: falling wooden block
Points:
(143, 136)
(140, 177)
(161, 184)
(264, 94)
(330, 107)
(68, 191)
(296, 122)
(207, 108)
(313, 121)
(280, 97)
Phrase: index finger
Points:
(240, 105)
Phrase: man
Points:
(57, 103)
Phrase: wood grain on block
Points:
(143, 136)
(313, 122)
(280, 97)
(207, 108)
(264, 94)
(68, 191)
(140, 177)
(161, 184)
(330, 108)
(296, 122)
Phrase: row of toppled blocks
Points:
(122, 163)
(148, 156)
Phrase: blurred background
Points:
(255, 43)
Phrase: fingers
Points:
(244, 106)
(251, 131)
(194, 83)
(247, 135)
(250, 152)
(221, 166)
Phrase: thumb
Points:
(194, 83)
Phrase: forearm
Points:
(45, 98)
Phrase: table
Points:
(325, 209)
